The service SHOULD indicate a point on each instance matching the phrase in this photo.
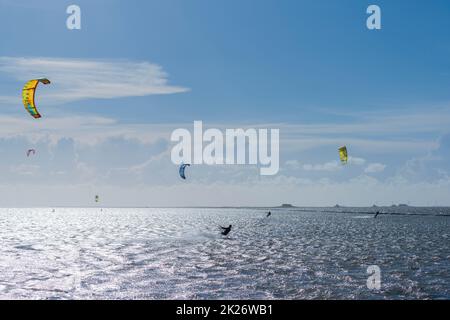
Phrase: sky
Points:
(137, 70)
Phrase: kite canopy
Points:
(343, 154)
(31, 151)
(28, 93)
(181, 171)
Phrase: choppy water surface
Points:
(179, 254)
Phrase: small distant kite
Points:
(343, 154)
(31, 151)
(181, 171)
(28, 94)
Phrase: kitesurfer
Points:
(268, 214)
(377, 213)
(227, 230)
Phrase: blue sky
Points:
(139, 69)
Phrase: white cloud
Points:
(294, 164)
(375, 134)
(374, 168)
(78, 150)
(356, 161)
(375, 145)
(431, 121)
(88, 130)
(146, 176)
(329, 166)
(78, 79)
(25, 169)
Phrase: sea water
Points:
(296, 253)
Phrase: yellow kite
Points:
(343, 154)
(28, 93)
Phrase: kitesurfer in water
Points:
(268, 214)
(377, 213)
(227, 230)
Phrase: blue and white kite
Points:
(181, 171)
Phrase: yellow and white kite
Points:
(343, 154)
(28, 93)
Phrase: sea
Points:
(179, 253)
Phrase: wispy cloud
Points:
(78, 79)
(328, 166)
(356, 161)
(374, 168)
(381, 124)
(90, 129)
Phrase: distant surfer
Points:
(226, 231)
(268, 214)
(376, 214)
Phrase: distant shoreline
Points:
(215, 207)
